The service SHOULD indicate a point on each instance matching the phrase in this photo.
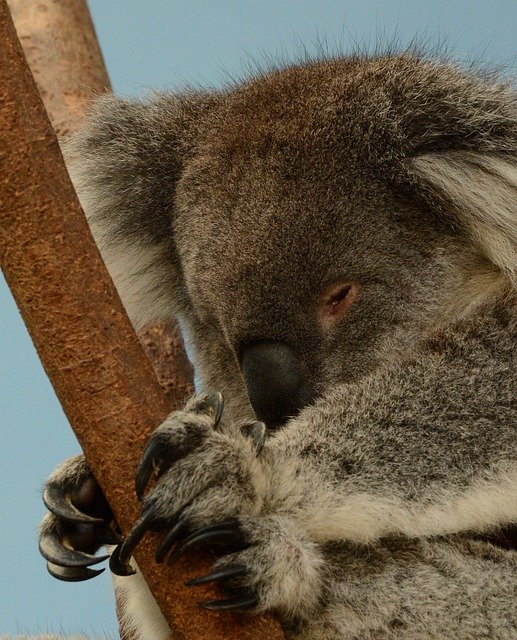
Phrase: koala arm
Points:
(294, 551)
(425, 448)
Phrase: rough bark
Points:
(83, 336)
(61, 48)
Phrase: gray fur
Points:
(236, 211)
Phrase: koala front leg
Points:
(220, 488)
(213, 488)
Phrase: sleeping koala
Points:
(338, 242)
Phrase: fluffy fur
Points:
(370, 511)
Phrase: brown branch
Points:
(61, 47)
(85, 341)
(62, 51)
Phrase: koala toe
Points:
(180, 434)
(277, 569)
(79, 523)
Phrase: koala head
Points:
(310, 224)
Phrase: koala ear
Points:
(481, 190)
(125, 164)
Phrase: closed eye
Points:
(337, 301)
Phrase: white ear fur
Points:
(138, 270)
(139, 273)
(483, 189)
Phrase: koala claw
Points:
(178, 530)
(72, 574)
(120, 565)
(170, 540)
(119, 561)
(226, 533)
(230, 571)
(242, 602)
(213, 405)
(60, 504)
(158, 457)
(257, 431)
(54, 549)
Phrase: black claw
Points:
(257, 431)
(238, 602)
(117, 566)
(170, 540)
(72, 574)
(119, 561)
(109, 534)
(213, 405)
(230, 571)
(61, 505)
(55, 551)
(159, 456)
(179, 528)
(214, 533)
(152, 465)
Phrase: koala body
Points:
(338, 242)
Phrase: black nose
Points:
(274, 381)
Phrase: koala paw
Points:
(271, 566)
(210, 489)
(79, 523)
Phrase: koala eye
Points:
(337, 301)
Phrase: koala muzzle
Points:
(274, 381)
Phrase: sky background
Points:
(167, 44)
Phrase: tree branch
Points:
(83, 336)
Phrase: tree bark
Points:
(62, 51)
(61, 48)
(82, 334)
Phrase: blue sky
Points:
(166, 44)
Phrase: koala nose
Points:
(274, 381)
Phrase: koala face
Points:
(313, 264)
(309, 225)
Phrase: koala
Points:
(338, 242)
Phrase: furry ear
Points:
(125, 164)
(482, 190)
